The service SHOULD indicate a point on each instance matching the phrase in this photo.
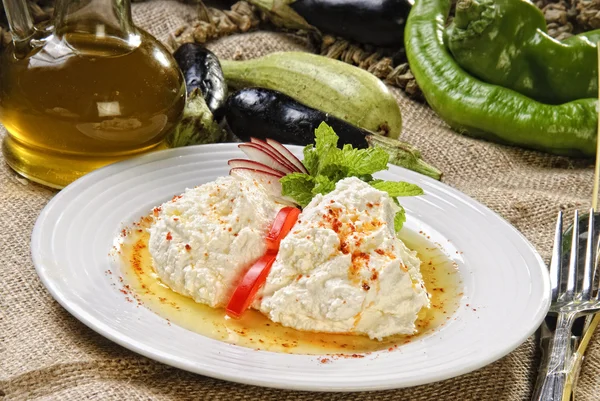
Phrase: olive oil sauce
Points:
(141, 284)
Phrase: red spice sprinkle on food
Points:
(369, 204)
(176, 218)
(380, 251)
(176, 197)
(169, 236)
(365, 286)
(325, 360)
(187, 247)
(156, 211)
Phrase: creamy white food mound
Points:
(203, 241)
(342, 269)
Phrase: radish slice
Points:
(287, 154)
(275, 153)
(268, 180)
(236, 163)
(261, 155)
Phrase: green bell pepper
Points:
(487, 111)
(504, 42)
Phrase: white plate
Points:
(504, 279)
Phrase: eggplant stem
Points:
(404, 155)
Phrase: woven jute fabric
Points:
(46, 354)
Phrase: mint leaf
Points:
(364, 161)
(395, 189)
(323, 185)
(327, 164)
(311, 160)
(299, 187)
(324, 152)
(335, 172)
(325, 139)
(366, 178)
(399, 219)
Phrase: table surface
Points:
(45, 353)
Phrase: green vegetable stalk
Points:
(281, 14)
(404, 155)
(197, 125)
(504, 42)
(327, 164)
(487, 111)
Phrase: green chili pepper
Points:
(504, 42)
(488, 111)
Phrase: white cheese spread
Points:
(202, 241)
(342, 269)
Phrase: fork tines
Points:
(574, 283)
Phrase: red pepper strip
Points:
(285, 220)
(254, 278)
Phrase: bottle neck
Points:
(102, 18)
(19, 19)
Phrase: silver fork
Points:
(571, 298)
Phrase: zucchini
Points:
(332, 86)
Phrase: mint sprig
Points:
(327, 164)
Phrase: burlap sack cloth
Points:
(46, 354)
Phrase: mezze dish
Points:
(291, 256)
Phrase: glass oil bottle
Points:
(87, 90)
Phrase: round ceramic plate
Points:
(506, 286)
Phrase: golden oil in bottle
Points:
(82, 101)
